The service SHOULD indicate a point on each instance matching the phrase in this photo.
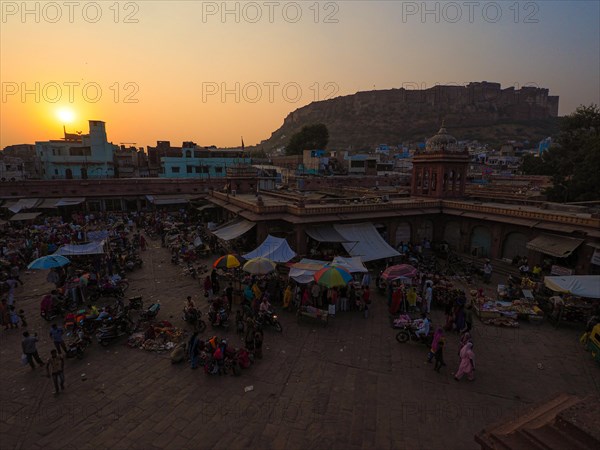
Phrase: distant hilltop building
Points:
(366, 119)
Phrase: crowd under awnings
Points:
(554, 245)
(234, 229)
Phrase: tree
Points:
(574, 162)
(310, 137)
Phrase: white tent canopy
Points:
(352, 265)
(365, 241)
(580, 285)
(273, 248)
(92, 248)
(70, 201)
(24, 203)
(304, 271)
(233, 230)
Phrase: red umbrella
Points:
(401, 270)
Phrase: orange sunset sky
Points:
(147, 66)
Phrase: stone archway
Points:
(514, 244)
(452, 235)
(481, 241)
(403, 233)
(425, 231)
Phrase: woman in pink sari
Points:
(437, 337)
(467, 363)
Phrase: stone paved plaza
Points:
(347, 386)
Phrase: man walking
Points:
(28, 344)
(487, 271)
(57, 337)
(56, 364)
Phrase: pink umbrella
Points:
(401, 270)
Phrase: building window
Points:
(218, 170)
(190, 169)
(174, 169)
(204, 169)
(188, 153)
(55, 171)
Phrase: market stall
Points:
(577, 298)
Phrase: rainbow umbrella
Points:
(227, 262)
(332, 277)
(259, 266)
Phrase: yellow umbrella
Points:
(259, 266)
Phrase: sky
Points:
(214, 72)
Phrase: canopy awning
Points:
(92, 248)
(352, 265)
(325, 233)
(580, 285)
(167, 199)
(233, 230)
(554, 245)
(304, 271)
(273, 248)
(24, 216)
(48, 203)
(365, 241)
(70, 201)
(205, 207)
(24, 203)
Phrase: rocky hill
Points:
(480, 110)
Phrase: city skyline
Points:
(211, 72)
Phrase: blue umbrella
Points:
(49, 262)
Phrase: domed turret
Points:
(442, 141)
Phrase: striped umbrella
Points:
(333, 277)
(227, 262)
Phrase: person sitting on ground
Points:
(423, 330)
(189, 305)
(524, 269)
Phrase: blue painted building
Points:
(78, 156)
(200, 162)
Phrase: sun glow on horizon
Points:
(65, 115)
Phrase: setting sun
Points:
(65, 115)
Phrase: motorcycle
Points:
(76, 348)
(116, 290)
(135, 303)
(219, 319)
(52, 307)
(112, 329)
(193, 317)
(269, 318)
(408, 333)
